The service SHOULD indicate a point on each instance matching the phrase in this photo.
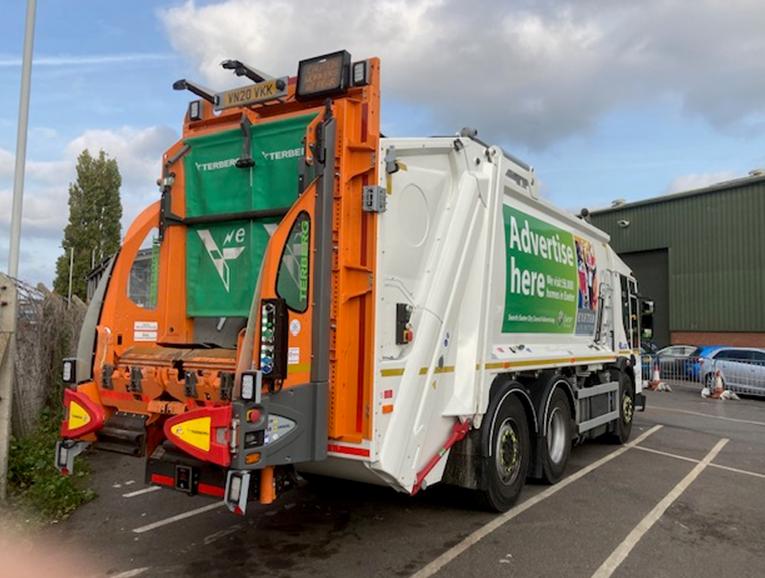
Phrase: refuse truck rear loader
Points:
(308, 295)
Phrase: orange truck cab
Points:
(242, 293)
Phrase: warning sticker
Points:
(144, 335)
(195, 432)
(78, 416)
(293, 356)
(145, 330)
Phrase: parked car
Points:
(703, 352)
(674, 361)
(742, 369)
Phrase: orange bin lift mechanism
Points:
(153, 365)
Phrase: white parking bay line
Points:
(737, 471)
(623, 550)
(143, 491)
(702, 414)
(178, 517)
(434, 566)
(695, 461)
(667, 454)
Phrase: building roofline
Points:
(718, 187)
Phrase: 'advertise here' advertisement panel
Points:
(551, 280)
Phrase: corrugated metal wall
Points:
(716, 244)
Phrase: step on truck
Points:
(307, 295)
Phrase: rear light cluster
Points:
(204, 433)
(82, 416)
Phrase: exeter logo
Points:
(220, 258)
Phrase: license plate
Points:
(184, 479)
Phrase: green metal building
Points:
(701, 256)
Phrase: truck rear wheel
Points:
(623, 426)
(506, 451)
(558, 439)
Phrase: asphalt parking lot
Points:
(685, 497)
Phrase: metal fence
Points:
(742, 374)
(47, 329)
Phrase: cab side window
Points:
(292, 277)
(144, 272)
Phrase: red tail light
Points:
(83, 415)
(204, 433)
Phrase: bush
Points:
(33, 480)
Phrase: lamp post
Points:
(7, 369)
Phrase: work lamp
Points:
(69, 370)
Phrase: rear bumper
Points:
(172, 468)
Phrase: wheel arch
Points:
(463, 466)
(518, 389)
(626, 365)
(542, 396)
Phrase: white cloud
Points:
(533, 72)
(698, 181)
(138, 152)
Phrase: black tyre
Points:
(505, 449)
(558, 439)
(623, 427)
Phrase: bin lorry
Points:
(308, 295)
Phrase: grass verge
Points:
(35, 484)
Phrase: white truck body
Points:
(459, 215)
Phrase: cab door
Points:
(630, 309)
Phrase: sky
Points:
(606, 99)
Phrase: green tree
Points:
(94, 225)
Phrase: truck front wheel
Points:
(506, 451)
(623, 425)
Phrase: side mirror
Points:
(646, 319)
